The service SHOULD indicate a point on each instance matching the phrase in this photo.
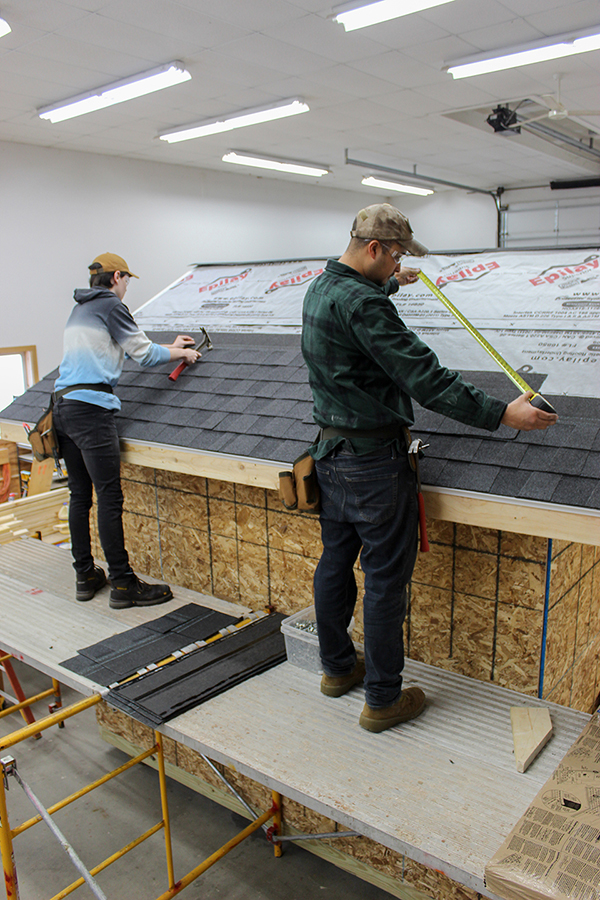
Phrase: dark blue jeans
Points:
(89, 445)
(369, 502)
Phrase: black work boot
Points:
(88, 583)
(131, 591)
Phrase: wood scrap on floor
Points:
(532, 729)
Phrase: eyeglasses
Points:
(395, 254)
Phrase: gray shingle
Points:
(268, 373)
(508, 482)
(264, 406)
(574, 491)
(502, 453)
(135, 430)
(463, 448)
(242, 445)
(431, 470)
(211, 441)
(241, 424)
(468, 477)
(262, 388)
(552, 459)
(293, 391)
(539, 486)
(584, 435)
(591, 468)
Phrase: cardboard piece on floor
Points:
(532, 729)
(552, 852)
(40, 479)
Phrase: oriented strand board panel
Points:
(532, 729)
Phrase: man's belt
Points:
(385, 431)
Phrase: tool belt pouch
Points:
(43, 438)
(307, 486)
(287, 490)
(299, 488)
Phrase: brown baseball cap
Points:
(110, 262)
(383, 222)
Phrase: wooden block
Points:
(62, 527)
(40, 479)
(532, 729)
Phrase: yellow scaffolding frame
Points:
(24, 703)
(7, 834)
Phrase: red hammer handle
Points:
(422, 523)
(177, 372)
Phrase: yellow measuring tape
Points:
(537, 400)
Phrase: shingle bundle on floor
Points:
(249, 397)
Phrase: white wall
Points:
(61, 208)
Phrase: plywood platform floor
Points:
(443, 789)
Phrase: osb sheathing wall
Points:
(479, 601)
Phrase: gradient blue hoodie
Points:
(98, 334)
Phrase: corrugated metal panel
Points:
(442, 789)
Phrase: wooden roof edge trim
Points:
(239, 469)
(548, 520)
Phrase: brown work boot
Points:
(409, 705)
(335, 686)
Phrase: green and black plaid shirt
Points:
(364, 364)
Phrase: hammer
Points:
(205, 342)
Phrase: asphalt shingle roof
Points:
(249, 396)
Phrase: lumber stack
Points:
(11, 528)
(36, 516)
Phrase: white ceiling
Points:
(379, 92)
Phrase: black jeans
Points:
(370, 502)
(89, 445)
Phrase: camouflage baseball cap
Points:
(383, 222)
(110, 262)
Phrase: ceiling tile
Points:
(174, 20)
(325, 37)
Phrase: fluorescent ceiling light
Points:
(118, 92)
(293, 168)
(4, 27)
(237, 120)
(394, 186)
(382, 11)
(514, 58)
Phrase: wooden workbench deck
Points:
(442, 789)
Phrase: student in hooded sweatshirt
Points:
(98, 334)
